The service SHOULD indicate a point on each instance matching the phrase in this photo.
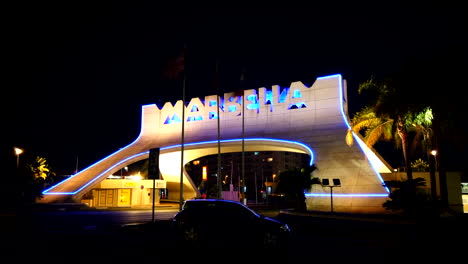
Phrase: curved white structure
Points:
(311, 120)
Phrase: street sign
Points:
(153, 166)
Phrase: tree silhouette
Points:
(293, 184)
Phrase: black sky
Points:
(87, 68)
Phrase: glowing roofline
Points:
(45, 192)
(361, 144)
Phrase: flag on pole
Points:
(240, 91)
(175, 67)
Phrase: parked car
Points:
(219, 223)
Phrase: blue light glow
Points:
(195, 118)
(254, 105)
(297, 94)
(174, 119)
(232, 108)
(283, 95)
(345, 119)
(269, 97)
(346, 195)
(213, 115)
(248, 139)
(95, 178)
(46, 192)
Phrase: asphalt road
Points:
(121, 234)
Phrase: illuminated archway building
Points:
(311, 120)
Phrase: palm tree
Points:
(373, 128)
(385, 117)
(407, 196)
(422, 124)
(293, 183)
(35, 176)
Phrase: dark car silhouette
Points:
(219, 223)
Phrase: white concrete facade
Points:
(311, 120)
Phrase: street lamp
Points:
(434, 153)
(18, 151)
(433, 176)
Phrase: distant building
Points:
(260, 167)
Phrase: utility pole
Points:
(181, 187)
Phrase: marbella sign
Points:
(259, 101)
(309, 119)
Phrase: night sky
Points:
(87, 68)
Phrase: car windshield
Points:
(224, 207)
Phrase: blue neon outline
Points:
(135, 141)
(255, 102)
(346, 195)
(172, 120)
(340, 82)
(212, 115)
(283, 94)
(95, 178)
(278, 140)
(45, 192)
(296, 94)
(268, 97)
(232, 108)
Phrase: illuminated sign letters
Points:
(261, 101)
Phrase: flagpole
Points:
(220, 196)
(76, 166)
(181, 197)
(242, 79)
(244, 200)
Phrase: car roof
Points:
(204, 202)
(210, 200)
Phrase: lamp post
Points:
(326, 183)
(18, 152)
(433, 175)
(434, 153)
(121, 172)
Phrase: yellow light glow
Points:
(18, 151)
(434, 152)
(135, 177)
(204, 173)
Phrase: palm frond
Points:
(373, 135)
(349, 137)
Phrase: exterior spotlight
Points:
(18, 152)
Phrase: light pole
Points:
(326, 183)
(18, 152)
(434, 176)
(434, 153)
(121, 172)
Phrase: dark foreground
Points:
(315, 237)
